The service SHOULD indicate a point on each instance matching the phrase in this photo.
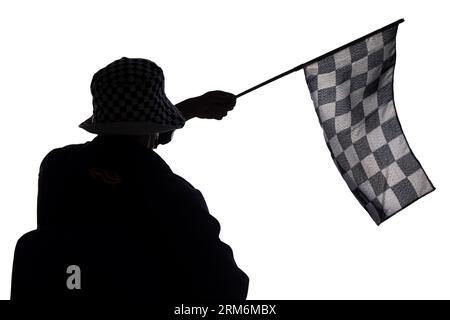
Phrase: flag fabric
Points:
(352, 91)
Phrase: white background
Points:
(264, 170)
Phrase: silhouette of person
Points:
(120, 187)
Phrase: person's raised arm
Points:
(211, 105)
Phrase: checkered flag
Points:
(352, 91)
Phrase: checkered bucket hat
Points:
(129, 99)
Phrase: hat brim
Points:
(135, 127)
(126, 127)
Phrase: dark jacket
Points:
(127, 192)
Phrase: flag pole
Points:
(301, 66)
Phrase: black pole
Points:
(301, 66)
(270, 80)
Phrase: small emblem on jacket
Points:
(105, 176)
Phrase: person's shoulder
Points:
(65, 150)
(61, 153)
(185, 191)
(180, 183)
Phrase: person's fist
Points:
(211, 105)
(215, 104)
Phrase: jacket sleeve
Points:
(214, 272)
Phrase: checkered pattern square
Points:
(352, 91)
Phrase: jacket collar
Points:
(121, 143)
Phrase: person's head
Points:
(129, 99)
